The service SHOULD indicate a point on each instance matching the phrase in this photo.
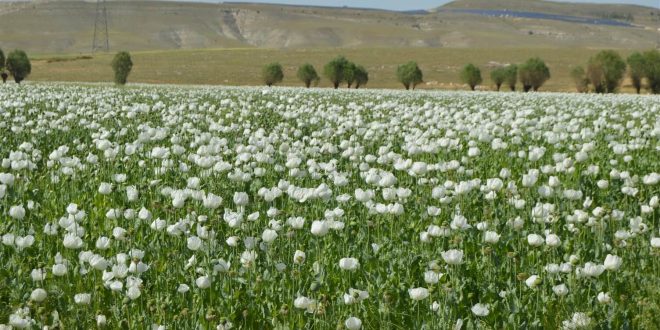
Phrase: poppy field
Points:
(252, 208)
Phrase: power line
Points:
(101, 40)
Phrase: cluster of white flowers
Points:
(325, 207)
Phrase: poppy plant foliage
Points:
(180, 207)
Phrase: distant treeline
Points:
(618, 16)
(531, 74)
(603, 73)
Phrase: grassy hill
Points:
(66, 27)
(228, 43)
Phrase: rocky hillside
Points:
(67, 27)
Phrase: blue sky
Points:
(409, 4)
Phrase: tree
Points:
(533, 74)
(511, 76)
(606, 70)
(471, 75)
(334, 70)
(409, 75)
(580, 79)
(349, 73)
(637, 68)
(18, 64)
(361, 76)
(498, 76)
(652, 71)
(122, 66)
(307, 74)
(272, 74)
(2, 67)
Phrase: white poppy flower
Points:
(612, 262)
(453, 257)
(560, 290)
(349, 264)
(418, 293)
(203, 282)
(353, 323)
(38, 295)
(82, 298)
(480, 310)
(17, 212)
(194, 243)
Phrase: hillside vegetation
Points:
(66, 27)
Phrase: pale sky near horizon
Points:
(410, 4)
(398, 4)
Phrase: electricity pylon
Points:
(101, 40)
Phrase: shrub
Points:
(307, 74)
(498, 76)
(122, 66)
(409, 75)
(605, 71)
(349, 73)
(334, 70)
(595, 76)
(471, 75)
(533, 74)
(637, 69)
(272, 74)
(2, 67)
(361, 76)
(580, 79)
(511, 76)
(18, 65)
(652, 70)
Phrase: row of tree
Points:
(604, 74)
(532, 75)
(17, 64)
(606, 70)
(338, 71)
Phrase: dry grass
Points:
(243, 66)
